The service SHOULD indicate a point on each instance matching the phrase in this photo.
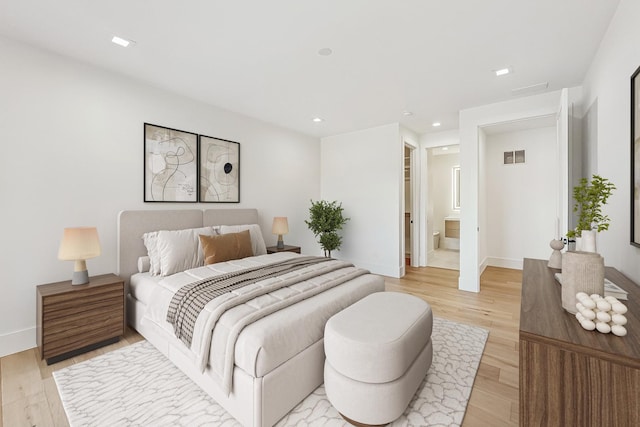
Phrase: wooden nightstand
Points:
(72, 319)
(287, 248)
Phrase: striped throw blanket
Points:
(191, 304)
(187, 304)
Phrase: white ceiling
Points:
(260, 58)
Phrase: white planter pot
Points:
(589, 241)
(578, 246)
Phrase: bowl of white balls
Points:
(602, 314)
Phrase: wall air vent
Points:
(524, 90)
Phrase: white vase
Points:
(578, 246)
(588, 241)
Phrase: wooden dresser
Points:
(72, 319)
(570, 376)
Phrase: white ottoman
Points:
(378, 352)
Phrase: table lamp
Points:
(280, 227)
(79, 244)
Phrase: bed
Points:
(278, 360)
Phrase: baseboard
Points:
(515, 264)
(483, 265)
(17, 341)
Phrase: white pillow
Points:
(144, 264)
(180, 250)
(150, 242)
(257, 241)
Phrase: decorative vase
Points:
(581, 272)
(555, 260)
(588, 240)
(578, 245)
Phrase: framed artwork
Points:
(635, 158)
(519, 156)
(170, 165)
(219, 170)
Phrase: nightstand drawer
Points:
(79, 298)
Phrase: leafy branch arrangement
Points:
(325, 221)
(589, 199)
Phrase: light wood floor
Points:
(29, 396)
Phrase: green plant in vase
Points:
(589, 198)
(325, 220)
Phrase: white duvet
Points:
(222, 320)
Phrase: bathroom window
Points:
(455, 185)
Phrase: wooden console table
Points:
(570, 376)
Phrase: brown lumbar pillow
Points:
(226, 247)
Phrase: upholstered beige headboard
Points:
(133, 224)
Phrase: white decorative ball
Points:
(581, 295)
(588, 325)
(603, 305)
(595, 297)
(611, 299)
(619, 319)
(603, 327)
(619, 308)
(588, 314)
(619, 330)
(603, 316)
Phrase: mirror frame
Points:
(635, 158)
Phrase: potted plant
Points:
(589, 198)
(325, 221)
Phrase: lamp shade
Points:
(79, 243)
(280, 225)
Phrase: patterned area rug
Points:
(137, 386)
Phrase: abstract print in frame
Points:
(170, 165)
(219, 170)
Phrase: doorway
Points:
(443, 207)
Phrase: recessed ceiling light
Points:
(435, 124)
(325, 51)
(317, 120)
(120, 41)
(407, 113)
(502, 71)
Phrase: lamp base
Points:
(280, 244)
(80, 277)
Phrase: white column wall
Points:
(608, 83)
(364, 171)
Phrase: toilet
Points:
(436, 240)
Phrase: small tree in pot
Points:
(325, 221)
(589, 198)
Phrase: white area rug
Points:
(137, 386)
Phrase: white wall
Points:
(364, 171)
(608, 83)
(72, 148)
(521, 198)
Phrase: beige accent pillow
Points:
(226, 247)
(257, 241)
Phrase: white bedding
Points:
(262, 347)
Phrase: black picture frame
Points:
(170, 165)
(635, 158)
(218, 170)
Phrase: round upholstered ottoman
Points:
(378, 352)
